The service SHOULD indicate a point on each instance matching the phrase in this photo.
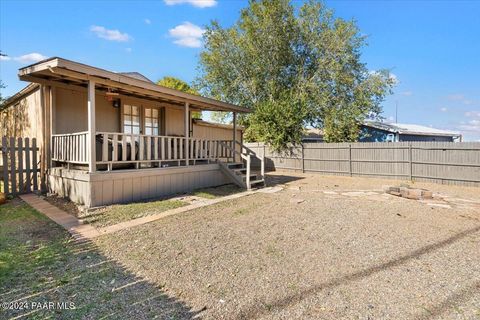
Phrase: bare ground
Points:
(323, 248)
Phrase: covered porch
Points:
(111, 137)
(141, 139)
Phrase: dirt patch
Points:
(63, 204)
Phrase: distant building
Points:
(375, 131)
(313, 135)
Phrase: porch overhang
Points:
(59, 70)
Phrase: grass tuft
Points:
(123, 212)
(216, 192)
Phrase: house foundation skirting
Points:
(124, 186)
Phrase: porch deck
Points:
(119, 151)
(133, 167)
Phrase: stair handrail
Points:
(246, 157)
(251, 152)
(232, 150)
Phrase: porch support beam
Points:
(91, 127)
(187, 132)
(234, 135)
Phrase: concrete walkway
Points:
(79, 231)
(84, 231)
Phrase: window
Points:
(151, 121)
(131, 119)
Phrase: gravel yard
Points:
(322, 248)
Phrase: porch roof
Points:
(66, 71)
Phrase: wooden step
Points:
(253, 177)
(240, 171)
(235, 165)
(256, 182)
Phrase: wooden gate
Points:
(19, 165)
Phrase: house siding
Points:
(70, 115)
(70, 112)
(411, 137)
(24, 117)
(105, 188)
(369, 134)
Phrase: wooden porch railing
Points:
(70, 148)
(246, 154)
(251, 153)
(118, 148)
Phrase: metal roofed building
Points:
(376, 131)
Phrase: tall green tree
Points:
(178, 84)
(279, 57)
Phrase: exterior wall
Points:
(70, 115)
(174, 122)
(24, 118)
(105, 188)
(70, 112)
(410, 137)
(369, 134)
(211, 132)
(206, 131)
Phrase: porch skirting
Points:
(123, 186)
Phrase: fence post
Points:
(13, 174)
(410, 160)
(303, 159)
(27, 165)
(350, 159)
(20, 165)
(34, 161)
(5, 165)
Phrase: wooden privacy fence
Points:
(19, 165)
(444, 162)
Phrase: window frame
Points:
(131, 115)
(141, 105)
(158, 118)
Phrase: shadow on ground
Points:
(434, 311)
(40, 263)
(277, 179)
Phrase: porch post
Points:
(234, 135)
(91, 127)
(187, 132)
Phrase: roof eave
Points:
(19, 95)
(93, 72)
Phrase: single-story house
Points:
(108, 137)
(375, 131)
